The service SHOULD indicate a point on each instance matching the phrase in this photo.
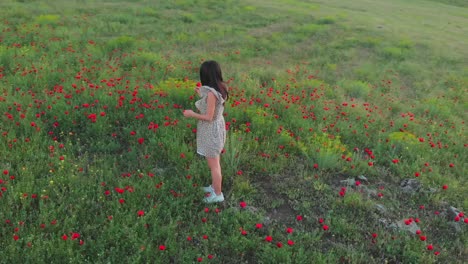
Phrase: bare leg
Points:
(216, 177)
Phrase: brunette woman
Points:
(211, 129)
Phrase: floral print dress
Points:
(211, 135)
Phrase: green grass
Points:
(321, 92)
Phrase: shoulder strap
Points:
(205, 89)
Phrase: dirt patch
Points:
(281, 213)
(270, 29)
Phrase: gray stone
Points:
(370, 192)
(410, 185)
(388, 224)
(349, 182)
(412, 228)
(381, 209)
(452, 212)
(456, 227)
(251, 209)
(362, 178)
(267, 221)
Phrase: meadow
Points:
(346, 131)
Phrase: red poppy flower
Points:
(75, 236)
(92, 116)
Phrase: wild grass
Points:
(334, 105)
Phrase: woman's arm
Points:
(210, 109)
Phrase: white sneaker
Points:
(208, 189)
(213, 198)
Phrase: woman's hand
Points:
(188, 113)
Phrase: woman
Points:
(211, 129)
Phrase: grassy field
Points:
(346, 131)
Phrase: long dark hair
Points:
(210, 75)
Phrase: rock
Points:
(381, 209)
(349, 182)
(251, 209)
(456, 227)
(388, 224)
(159, 171)
(452, 212)
(412, 228)
(267, 221)
(370, 192)
(410, 185)
(362, 178)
